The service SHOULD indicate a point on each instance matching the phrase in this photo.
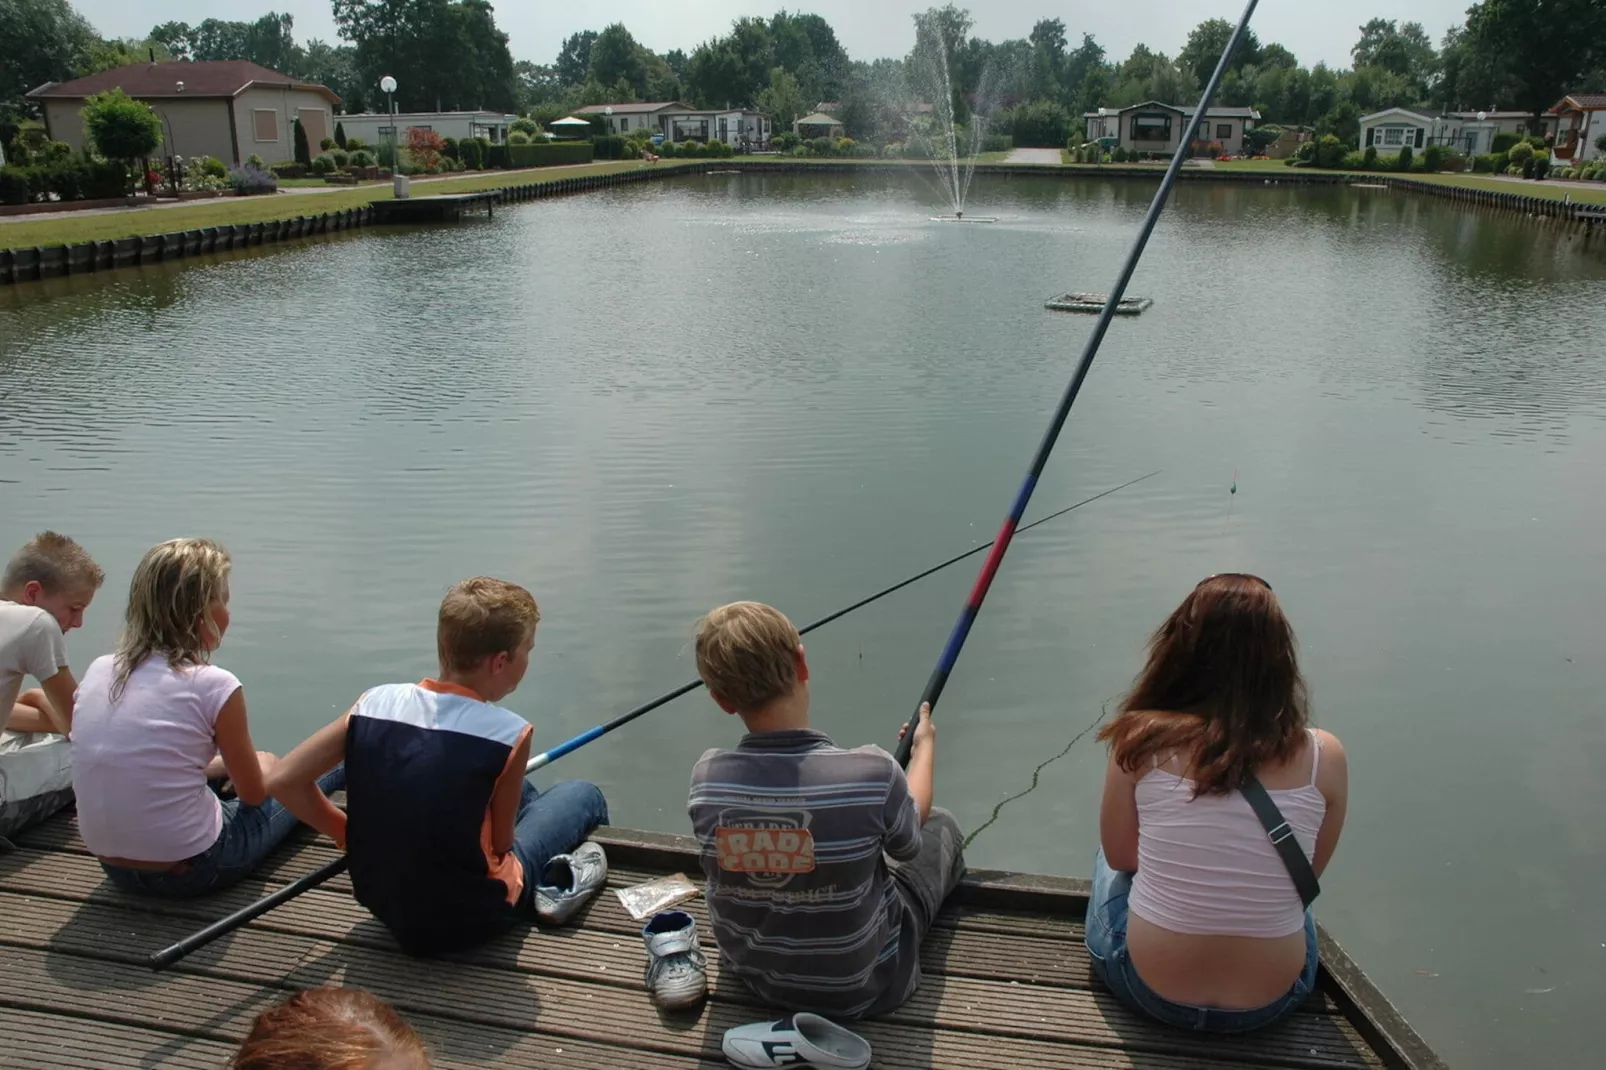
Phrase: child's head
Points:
(485, 634)
(178, 606)
(54, 573)
(331, 1029)
(750, 656)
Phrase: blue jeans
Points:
(1106, 943)
(250, 833)
(553, 822)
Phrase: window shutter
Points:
(1371, 135)
(1421, 137)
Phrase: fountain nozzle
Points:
(960, 214)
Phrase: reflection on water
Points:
(647, 401)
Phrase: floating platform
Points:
(964, 219)
(1007, 980)
(442, 209)
(1094, 303)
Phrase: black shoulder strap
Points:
(1282, 838)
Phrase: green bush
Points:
(1306, 153)
(450, 148)
(1355, 161)
(1402, 162)
(1119, 155)
(340, 136)
(801, 151)
(1452, 161)
(341, 157)
(1537, 142)
(104, 179)
(822, 146)
(1527, 168)
(14, 186)
(1329, 151)
(997, 143)
(254, 160)
(608, 147)
(550, 153)
(361, 158)
(1541, 166)
(1369, 157)
(526, 126)
(355, 143)
(211, 165)
(785, 141)
(497, 158)
(1503, 143)
(303, 150)
(1433, 159)
(66, 179)
(324, 164)
(1520, 153)
(518, 137)
(327, 144)
(121, 128)
(469, 152)
(845, 146)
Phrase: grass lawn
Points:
(1583, 193)
(66, 228)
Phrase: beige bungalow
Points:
(1158, 128)
(231, 109)
(741, 127)
(1581, 124)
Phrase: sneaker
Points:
(677, 969)
(802, 1039)
(569, 881)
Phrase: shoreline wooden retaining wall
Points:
(52, 261)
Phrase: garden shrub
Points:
(66, 179)
(340, 136)
(1503, 143)
(248, 180)
(326, 144)
(449, 147)
(1541, 166)
(254, 160)
(1119, 155)
(1369, 157)
(355, 143)
(1433, 158)
(518, 137)
(1499, 162)
(526, 126)
(104, 179)
(549, 153)
(997, 143)
(1354, 161)
(14, 188)
(1306, 153)
(717, 149)
(845, 146)
(469, 151)
(1537, 142)
(1520, 153)
(1402, 162)
(324, 164)
(608, 147)
(785, 141)
(1526, 168)
(496, 158)
(361, 158)
(303, 152)
(1600, 143)
(342, 157)
(801, 151)
(1329, 151)
(822, 146)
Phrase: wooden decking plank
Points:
(33, 1040)
(613, 1006)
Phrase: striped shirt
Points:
(793, 829)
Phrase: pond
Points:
(647, 401)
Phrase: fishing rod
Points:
(160, 960)
(1000, 546)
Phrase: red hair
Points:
(1222, 687)
(331, 1029)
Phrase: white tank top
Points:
(1206, 866)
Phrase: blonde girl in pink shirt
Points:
(156, 722)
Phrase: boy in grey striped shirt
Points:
(825, 866)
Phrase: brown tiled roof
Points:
(208, 78)
(1583, 100)
(630, 109)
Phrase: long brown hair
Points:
(1222, 687)
(331, 1029)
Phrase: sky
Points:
(1316, 30)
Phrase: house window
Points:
(265, 124)
(1151, 128)
(387, 131)
(624, 125)
(1223, 131)
(1393, 136)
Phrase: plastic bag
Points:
(645, 900)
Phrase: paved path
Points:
(1053, 157)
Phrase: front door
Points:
(724, 129)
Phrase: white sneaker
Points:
(677, 969)
(802, 1039)
(568, 881)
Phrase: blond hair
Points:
(747, 654)
(174, 585)
(56, 562)
(483, 617)
(330, 1029)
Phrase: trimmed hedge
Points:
(549, 153)
(497, 158)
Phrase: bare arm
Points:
(294, 780)
(1118, 819)
(922, 771)
(505, 800)
(245, 766)
(58, 691)
(1332, 779)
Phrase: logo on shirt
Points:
(767, 849)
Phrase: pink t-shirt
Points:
(139, 765)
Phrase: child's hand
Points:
(925, 732)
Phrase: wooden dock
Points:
(446, 208)
(1007, 981)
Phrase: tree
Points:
(425, 148)
(1275, 55)
(574, 58)
(109, 54)
(121, 128)
(782, 100)
(303, 150)
(42, 41)
(334, 66)
(340, 134)
(268, 41)
(615, 57)
(1543, 48)
(1208, 40)
(443, 53)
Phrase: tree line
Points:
(450, 54)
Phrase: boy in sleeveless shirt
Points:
(825, 866)
(447, 841)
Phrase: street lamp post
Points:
(398, 181)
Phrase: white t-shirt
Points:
(31, 644)
(139, 766)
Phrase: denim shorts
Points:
(1106, 943)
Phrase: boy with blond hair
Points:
(825, 866)
(446, 839)
(45, 589)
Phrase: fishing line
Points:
(998, 810)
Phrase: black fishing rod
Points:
(164, 958)
(1023, 497)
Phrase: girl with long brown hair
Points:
(1194, 918)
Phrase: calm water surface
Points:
(645, 402)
